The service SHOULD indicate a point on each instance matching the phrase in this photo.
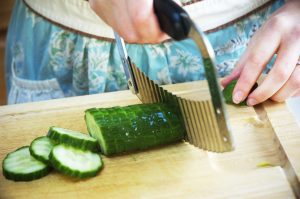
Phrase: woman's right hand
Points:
(133, 20)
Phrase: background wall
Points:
(5, 12)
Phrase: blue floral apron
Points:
(47, 61)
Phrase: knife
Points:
(205, 121)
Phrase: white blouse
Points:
(77, 14)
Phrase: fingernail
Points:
(251, 102)
(238, 97)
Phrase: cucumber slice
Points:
(19, 165)
(75, 162)
(41, 147)
(135, 127)
(73, 138)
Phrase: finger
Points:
(234, 75)
(290, 88)
(284, 66)
(145, 22)
(252, 46)
(125, 29)
(111, 12)
(257, 55)
(297, 94)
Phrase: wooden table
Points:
(175, 171)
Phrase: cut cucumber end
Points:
(95, 131)
(132, 128)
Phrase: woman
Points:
(61, 48)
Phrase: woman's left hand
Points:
(280, 35)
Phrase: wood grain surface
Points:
(267, 134)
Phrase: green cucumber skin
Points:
(72, 141)
(228, 92)
(133, 128)
(24, 177)
(36, 156)
(68, 171)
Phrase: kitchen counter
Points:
(179, 170)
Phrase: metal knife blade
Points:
(126, 63)
(205, 121)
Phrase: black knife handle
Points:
(173, 20)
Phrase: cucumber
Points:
(40, 148)
(73, 138)
(19, 165)
(75, 162)
(135, 127)
(228, 91)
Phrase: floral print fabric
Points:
(56, 62)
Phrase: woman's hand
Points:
(134, 20)
(280, 35)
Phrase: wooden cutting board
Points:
(174, 171)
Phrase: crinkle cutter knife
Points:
(205, 121)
